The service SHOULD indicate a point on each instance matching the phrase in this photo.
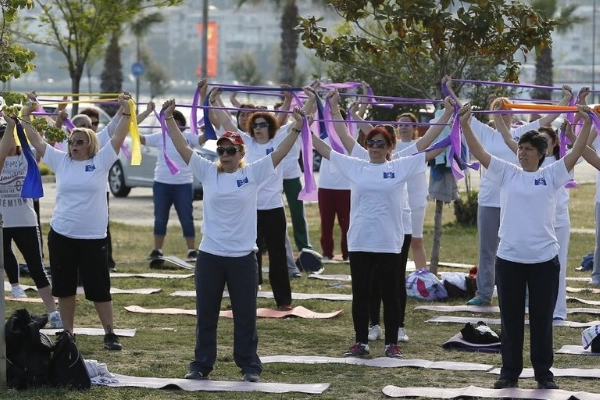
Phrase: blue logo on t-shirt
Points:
(389, 175)
(90, 168)
(540, 181)
(270, 150)
(241, 182)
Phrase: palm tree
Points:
(289, 36)
(565, 21)
(140, 28)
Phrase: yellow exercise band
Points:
(136, 145)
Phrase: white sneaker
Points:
(402, 336)
(55, 320)
(18, 292)
(375, 333)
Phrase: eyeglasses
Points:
(84, 126)
(376, 143)
(260, 125)
(77, 142)
(229, 150)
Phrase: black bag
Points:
(28, 351)
(310, 261)
(479, 333)
(67, 367)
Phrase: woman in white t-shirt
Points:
(77, 237)
(527, 257)
(227, 253)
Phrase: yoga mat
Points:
(571, 278)
(576, 349)
(216, 386)
(269, 295)
(583, 290)
(381, 362)
(454, 265)
(8, 287)
(558, 372)
(330, 277)
(26, 299)
(92, 332)
(300, 312)
(478, 392)
(473, 309)
(125, 291)
(150, 275)
(496, 321)
(457, 342)
(590, 302)
(583, 311)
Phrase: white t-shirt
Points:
(162, 173)
(493, 143)
(229, 205)
(377, 200)
(269, 192)
(597, 146)
(290, 165)
(417, 184)
(16, 211)
(527, 209)
(562, 199)
(329, 176)
(80, 210)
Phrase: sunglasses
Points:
(229, 150)
(260, 125)
(78, 142)
(376, 143)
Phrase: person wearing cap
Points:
(20, 224)
(527, 256)
(77, 237)
(227, 252)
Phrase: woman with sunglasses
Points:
(527, 256)
(227, 252)
(262, 138)
(20, 224)
(77, 237)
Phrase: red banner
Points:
(212, 50)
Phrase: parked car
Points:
(123, 176)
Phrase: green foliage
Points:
(15, 60)
(155, 74)
(111, 78)
(466, 210)
(244, 69)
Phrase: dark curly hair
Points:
(267, 116)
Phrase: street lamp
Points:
(204, 57)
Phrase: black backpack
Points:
(479, 333)
(67, 367)
(28, 351)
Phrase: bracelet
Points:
(127, 115)
(296, 130)
(171, 117)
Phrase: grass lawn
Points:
(163, 345)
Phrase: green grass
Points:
(163, 345)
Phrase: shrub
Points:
(466, 211)
(44, 170)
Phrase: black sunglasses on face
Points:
(260, 125)
(229, 150)
(77, 142)
(376, 143)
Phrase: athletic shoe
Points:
(55, 320)
(393, 351)
(155, 254)
(402, 336)
(478, 301)
(375, 333)
(192, 255)
(504, 383)
(295, 275)
(18, 292)
(111, 342)
(358, 350)
(251, 377)
(285, 307)
(549, 384)
(197, 375)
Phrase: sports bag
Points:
(423, 284)
(67, 367)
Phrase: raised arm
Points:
(144, 114)
(33, 135)
(288, 142)
(122, 128)
(177, 137)
(340, 127)
(362, 124)
(474, 146)
(581, 142)
(446, 80)
(434, 130)
(233, 100)
(285, 106)
(503, 129)
(7, 141)
(223, 117)
(549, 118)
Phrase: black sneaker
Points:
(111, 342)
(549, 384)
(192, 255)
(251, 377)
(504, 383)
(197, 375)
(155, 254)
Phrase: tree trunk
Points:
(75, 83)
(289, 42)
(437, 237)
(543, 74)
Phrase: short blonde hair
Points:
(92, 144)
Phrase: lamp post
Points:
(204, 56)
(594, 53)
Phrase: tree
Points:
(111, 79)
(140, 29)
(544, 63)
(289, 37)
(422, 41)
(15, 60)
(75, 27)
(244, 69)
